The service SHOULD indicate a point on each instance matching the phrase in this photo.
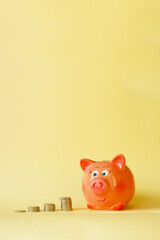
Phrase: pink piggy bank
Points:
(107, 184)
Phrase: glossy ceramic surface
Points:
(107, 184)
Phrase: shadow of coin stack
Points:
(66, 204)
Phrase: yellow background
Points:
(77, 79)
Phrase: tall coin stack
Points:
(66, 204)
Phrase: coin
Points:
(66, 200)
(49, 207)
(66, 204)
(66, 208)
(33, 209)
(19, 211)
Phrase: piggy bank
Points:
(107, 184)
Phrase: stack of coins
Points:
(33, 209)
(66, 204)
(19, 211)
(49, 207)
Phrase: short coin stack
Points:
(49, 207)
(19, 211)
(66, 204)
(33, 209)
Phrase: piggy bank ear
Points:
(119, 161)
(85, 163)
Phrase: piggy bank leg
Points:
(89, 206)
(117, 206)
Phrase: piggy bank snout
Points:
(98, 186)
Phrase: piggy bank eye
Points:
(94, 174)
(104, 173)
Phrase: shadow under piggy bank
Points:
(144, 201)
